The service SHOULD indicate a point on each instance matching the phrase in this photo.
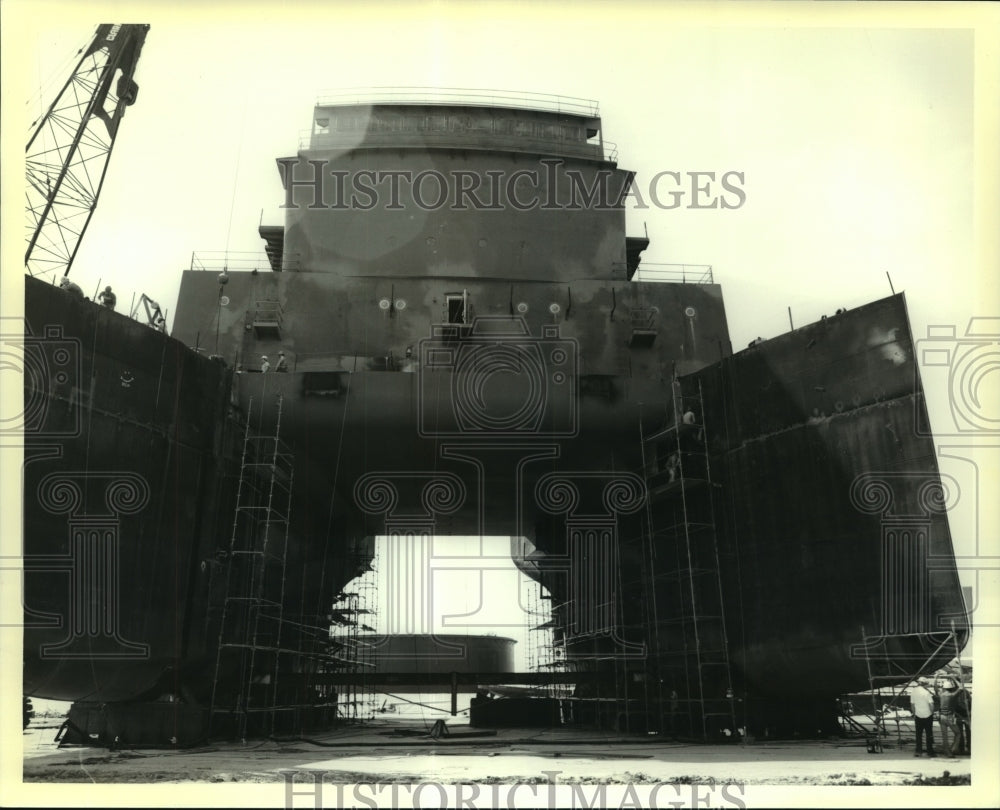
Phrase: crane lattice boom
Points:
(67, 154)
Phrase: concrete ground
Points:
(392, 750)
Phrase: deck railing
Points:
(673, 273)
(545, 102)
(237, 260)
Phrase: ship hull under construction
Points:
(728, 539)
(793, 541)
(131, 487)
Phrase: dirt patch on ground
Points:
(945, 779)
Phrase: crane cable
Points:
(236, 176)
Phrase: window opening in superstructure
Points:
(457, 304)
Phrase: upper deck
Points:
(528, 123)
(413, 183)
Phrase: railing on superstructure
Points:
(457, 96)
(238, 260)
(674, 273)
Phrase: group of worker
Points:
(954, 713)
(281, 365)
(106, 297)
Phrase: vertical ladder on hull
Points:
(652, 695)
(689, 633)
(245, 685)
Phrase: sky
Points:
(469, 588)
(865, 133)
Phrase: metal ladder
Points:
(252, 621)
(690, 629)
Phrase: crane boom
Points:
(67, 154)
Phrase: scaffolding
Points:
(895, 672)
(605, 699)
(544, 654)
(352, 641)
(253, 633)
(686, 616)
(537, 625)
(266, 319)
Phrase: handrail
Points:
(459, 95)
(684, 273)
(237, 260)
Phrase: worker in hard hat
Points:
(265, 364)
(71, 287)
(108, 298)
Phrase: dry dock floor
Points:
(389, 750)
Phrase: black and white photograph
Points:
(453, 404)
